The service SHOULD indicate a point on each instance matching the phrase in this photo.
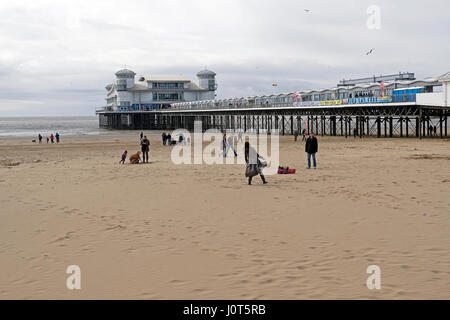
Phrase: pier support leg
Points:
(407, 126)
(378, 127)
(401, 127)
(440, 124)
(390, 127)
(345, 122)
(445, 123)
(349, 126)
(417, 127)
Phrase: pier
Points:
(336, 112)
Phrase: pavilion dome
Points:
(206, 73)
(125, 72)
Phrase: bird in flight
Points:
(370, 52)
(307, 10)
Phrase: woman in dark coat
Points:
(254, 166)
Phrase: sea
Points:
(65, 126)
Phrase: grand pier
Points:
(386, 106)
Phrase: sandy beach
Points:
(166, 231)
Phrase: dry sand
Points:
(161, 231)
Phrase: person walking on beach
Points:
(145, 148)
(295, 135)
(311, 148)
(354, 133)
(224, 145)
(164, 138)
(230, 145)
(57, 137)
(124, 157)
(253, 165)
(169, 139)
(40, 138)
(304, 135)
(240, 136)
(142, 135)
(48, 140)
(52, 138)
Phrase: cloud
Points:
(64, 53)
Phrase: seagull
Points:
(307, 10)
(371, 50)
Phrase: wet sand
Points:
(165, 231)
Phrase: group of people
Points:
(167, 139)
(297, 132)
(51, 139)
(254, 162)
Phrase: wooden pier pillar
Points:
(445, 123)
(292, 125)
(407, 126)
(391, 127)
(368, 125)
(401, 127)
(317, 125)
(257, 124)
(345, 123)
(349, 126)
(417, 127)
(378, 127)
(440, 124)
(424, 125)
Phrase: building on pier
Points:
(156, 91)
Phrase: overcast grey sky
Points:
(57, 56)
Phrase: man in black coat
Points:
(311, 148)
(145, 148)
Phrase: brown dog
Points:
(135, 158)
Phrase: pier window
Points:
(167, 85)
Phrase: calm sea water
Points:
(65, 126)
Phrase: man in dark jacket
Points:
(145, 147)
(311, 148)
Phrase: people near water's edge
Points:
(145, 148)
(52, 138)
(57, 137)
(254, 165)
(311, 148)
(124, 157)
(135, 158)
(48, 139)
(40, 138)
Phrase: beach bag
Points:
(251, 170)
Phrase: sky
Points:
(56, 57)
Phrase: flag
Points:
(382, 89)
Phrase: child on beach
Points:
(124, 157)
